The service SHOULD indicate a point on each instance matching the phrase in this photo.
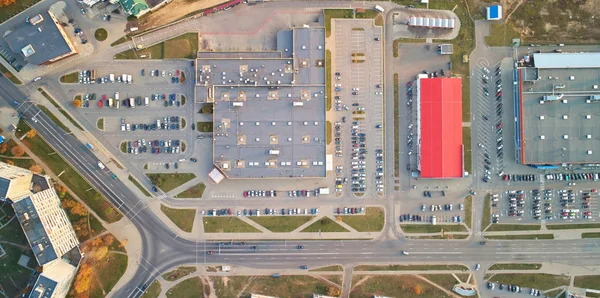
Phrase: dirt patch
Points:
(176, 10)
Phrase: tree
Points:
(32, 133)
(61, 190)
(81, 229)
(333, 291)
(77, 103)
(101, 253)
(36, 169)
(17, 151)
(6, 2)
(418, 289)
(10, 162)
(83, 279)
(3, 148)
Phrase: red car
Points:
(587, 213)
(245, 194)
(100, 103)
(210, 252)
(103, 96)
(177, 73)
(594, 190)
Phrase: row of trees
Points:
(7, 2)
(95, 251)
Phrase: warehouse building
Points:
(558, 100)
(439, 133)
(269, 107)
(42, 40)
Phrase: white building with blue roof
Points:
(494, 12)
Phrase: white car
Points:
(406, 253)
(163, 73)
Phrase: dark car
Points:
(167, 165)
(299, 247)
(303, 267)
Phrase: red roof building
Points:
(441, 147)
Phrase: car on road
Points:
(303, 267)
(210, 252)
(299, 247)
(406, 253)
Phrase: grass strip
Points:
(9, 75)
(487, 212)
(328, 94)
(324, 225)
(281, 224)
(53, 118)
(573, 226)
(227, 224)
(195, 191)
(468, 162)
(521, 237)
(182, 218)
(328, 268)
(69, 78)
(139, 186)
(92, 198)
(409, 267)
(396, 127)
(329, 132)
(168, 182)
(520, 266)
(504, 227)
(590, 235)
(468, 211)
(428, 228)
(532, 280)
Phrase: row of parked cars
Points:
(519, 177)
(156, 146)
(349, 210)
(260, 193)
(595, 176)
(440, 207)
(266, 211)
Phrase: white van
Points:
(146, 101)
(101, 165)
(122, 127)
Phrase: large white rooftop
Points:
(566, 60)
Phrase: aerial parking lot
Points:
(357, 111)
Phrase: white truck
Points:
(129, 79)
(146, 101)
(124, 78)
(112, 77)
(132, 102)
(101, 165)
(379, 8)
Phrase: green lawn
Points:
(427, 228)
(281, 224)
(590, 235)
(189, 288)
(178, 273)
(521, 237)
(204, 126)
(100, 123)
(183, 218)
(325, 225)
(195, 191)
(409, 267)
(468, 162)
(394, 286)
(587, 282)
(532, 280)
(8, 74)
(110, 272)
(53, 118)
(487, 212)
(92, 198)
(101, 34)
(468, 211)
(227, 224)
(517, 266)
(437, 237)
(335, 14)
(72, 77)
(11, 10)
(168, 182)
(183, 46)
(505, 227)
(446, 281)
(328, 268)
(153, 291)
(396, 127)
(501, 34)
(328, 93)
(573, 226)
(372, 221)
(138, 185)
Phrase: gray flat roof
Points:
(269, 114)
(566, 60)
(561, 119)
(34, 230)
(44, 37)
(43, 287)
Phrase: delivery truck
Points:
(112, 77)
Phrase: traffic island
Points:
(100, 124)
(101, 34)
(179, 273)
